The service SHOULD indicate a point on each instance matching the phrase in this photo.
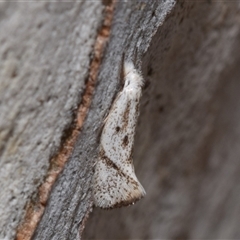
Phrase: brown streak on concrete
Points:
(36, 207)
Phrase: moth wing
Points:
(114, 180)
(118, 132)
(112, 188)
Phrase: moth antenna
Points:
(135, 55)
(121, 69)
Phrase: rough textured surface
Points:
(44, 52)
(71, 196)
(187, 143)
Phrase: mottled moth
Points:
(114, 181)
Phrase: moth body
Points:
(114, 182)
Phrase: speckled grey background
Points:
(187, 143)
(44, 61)
(186, 153)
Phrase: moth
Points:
(114, 181)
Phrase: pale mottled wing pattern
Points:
(114, 181)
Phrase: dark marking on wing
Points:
(126, 115)
(125, 141)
